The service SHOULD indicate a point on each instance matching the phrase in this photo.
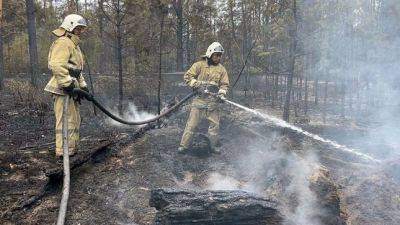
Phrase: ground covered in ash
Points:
(313, 183)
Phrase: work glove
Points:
(221, 96)
(74, 72)
(68, 90)
(194, 83)
(86, 89)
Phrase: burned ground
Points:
(114, 186)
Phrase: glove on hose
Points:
(68, 90)
(74, 72)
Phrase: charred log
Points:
(179, 207)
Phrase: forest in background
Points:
(328, 57)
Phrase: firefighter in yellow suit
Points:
(207, 74)
(65, 60)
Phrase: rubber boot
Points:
(182, 150)
(215, 145)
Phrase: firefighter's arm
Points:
(223, 84)
(191, 75)
(58, 63)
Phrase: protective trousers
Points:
(195, 116)
(74, 122)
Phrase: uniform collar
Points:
(59, 32)
(74, 38)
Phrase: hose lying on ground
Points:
(65, 191)
(90, 97)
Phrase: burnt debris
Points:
(186, 207)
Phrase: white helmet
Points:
(213, 48)
(73, 20)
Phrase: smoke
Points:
(308, 210)
(266, 168)
(131, 114)
(218, 181)
(355, 48)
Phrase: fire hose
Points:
(65, 192)
(66, 183)
(90, 97)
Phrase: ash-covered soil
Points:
(313, 183)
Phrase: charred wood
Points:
(187, 207)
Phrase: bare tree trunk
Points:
(275, 90)
(308, 74)
(102, 57)
(351, 97)
(325, 99)
(1, 47)
(120, 74)
(188, 48)
(44, 9)
(232, 21)
(244, 46)
(293, 46)
(77, 5)
(306, 96)
(72, 6)
(267, 88)
(160, 62)
(33, 55)
(358, 97)
(316, 91)
(295, 96)
(343, 98)
(280, 98)
(179, 34)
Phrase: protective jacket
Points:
(204, 106)
(202, 73)
(65, 56)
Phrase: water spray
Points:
(281, 123)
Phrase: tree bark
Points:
(160, 61)
(179, 34)
(308, 74)
(293, 46)
(33, 54)
(188, 45)
(343, 98)
(324, 110)
(1, 47)
(120, 74)
(101, 60)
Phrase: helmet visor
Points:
(219, 49)
(82, 22)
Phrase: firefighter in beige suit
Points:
(207, 74)
(65, 61)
